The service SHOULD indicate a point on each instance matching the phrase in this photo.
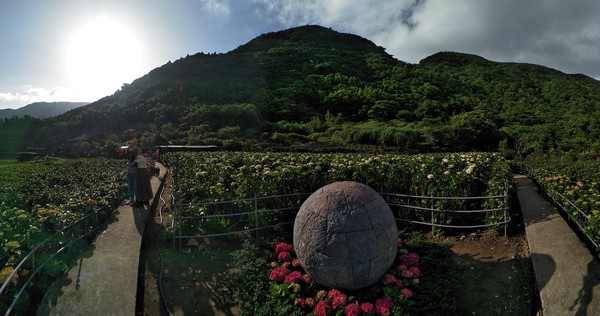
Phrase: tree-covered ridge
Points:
(538, 109)
(312, 85)
(41, 109)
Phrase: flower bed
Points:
(226, 176)
(387, 297)
(575, 186)
(249, 284)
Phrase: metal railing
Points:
(445, 212)
(570, 210)
(575, 214)
(49, 249)
(223, 218)
(233, 217)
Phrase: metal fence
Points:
(226, 218)
(450, 212)
(245, 216)
(54, 253)
(574, 213)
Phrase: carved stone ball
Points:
(345, 236)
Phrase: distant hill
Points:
(41, 109)
(312, 88)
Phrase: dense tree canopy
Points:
(310, 86)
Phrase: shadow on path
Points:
(545, 269)
(586, 293)
(567, 273)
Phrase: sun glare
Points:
(102, 54)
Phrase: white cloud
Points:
(30, 94)
(217, 6)
(559, 34)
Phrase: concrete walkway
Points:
(567, 274)
(104, 281)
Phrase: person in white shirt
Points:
(131, 175)
(144, 188)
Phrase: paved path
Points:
(567, 274)
(104, 281)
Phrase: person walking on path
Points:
(144, 188)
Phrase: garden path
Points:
(567, 273)
(104, 281)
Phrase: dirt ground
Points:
(497, 274)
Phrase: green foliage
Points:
(249, 284)
(228, 176)
(14, 132)
(435, 292)
(41, 197)
(574, 185)
(280, 88)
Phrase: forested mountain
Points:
(312, 88)
(41, 109)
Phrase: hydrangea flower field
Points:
(226, 176)
(41, 197)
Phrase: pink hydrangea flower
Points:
(338, 299)
(415, 271)
(367, 308)
(410, 259)
(352, 310)
(283, 247)
(301, 302)
(279, 274)
(407, 274)
(321, 308)
(333, 293)
(384, 305)
(285, 256)
(293, 277)
(398, 241)
(389, 279)
(406, 292)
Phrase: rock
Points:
(345, 236)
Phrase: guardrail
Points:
(450, 212)
(48, 251)
(243, 216)
(574, 213)
(233, 217)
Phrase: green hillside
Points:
(41, 109)
(312, 88)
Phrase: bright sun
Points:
(101, 55)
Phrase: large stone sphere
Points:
(345, 236)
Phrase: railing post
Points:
(504, 206)
(33, 263)
(432, 216)
(86, 220)
(174, 225)
(256, 216)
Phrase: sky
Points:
(83, 50)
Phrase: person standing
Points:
(131, 175)
(144, 188)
